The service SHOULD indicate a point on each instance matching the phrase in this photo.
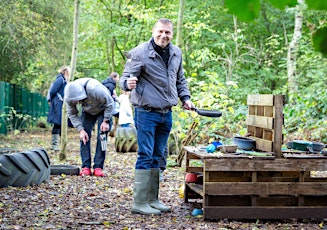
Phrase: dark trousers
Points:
(56, 129)
(89, 121)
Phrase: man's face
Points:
(162, 34)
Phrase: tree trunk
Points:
(292, 50)
(180, 24)
(108, 54)
(112, 47)
(62, 155)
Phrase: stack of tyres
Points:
(126, 139)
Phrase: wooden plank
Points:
(194, 169)
(232, 176)
(260, 99)
(279, 201)
(191, 194)
(269, 111)
(304, 156)
(226, 200)
(197, 188)
(265, 189)
(263, 145)
(257, 164)
(202, 156)
(240, 212)
(279, 101)
(260, 121)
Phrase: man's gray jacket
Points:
(158, 86)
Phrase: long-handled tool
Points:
(207, 113)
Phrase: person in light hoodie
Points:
(97, 106)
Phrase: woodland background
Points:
(269, 51)
(225, 59)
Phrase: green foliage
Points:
(14, 121)
(224, 59)
(213, 95)
(307, 118)
(319, 40)
(35, 41)
(317, 4)
(282, 4)
(246, 10)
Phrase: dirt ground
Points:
(74, 202)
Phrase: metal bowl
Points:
(244, 143)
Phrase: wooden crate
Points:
(247, 187)
(265, 121)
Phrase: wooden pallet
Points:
(258, 187)
(265, 121)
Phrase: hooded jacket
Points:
(93, 96)
(158, 86)
(110, 83)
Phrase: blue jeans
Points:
(153, 130)
(163, 162)
(89, 121)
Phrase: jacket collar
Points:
(152, 52)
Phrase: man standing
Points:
(154, 75)
(97, 106)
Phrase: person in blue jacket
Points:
(55, 99)
(154, 75)
(110, 84)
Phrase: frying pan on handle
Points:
(207, 113)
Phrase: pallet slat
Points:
(255, 164)
(258, 121)
(266, 188)
(261, 99)
(238, 212)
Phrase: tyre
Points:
(64, 169)
(126, 139)
(20, 169)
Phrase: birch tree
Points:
(292, 49)
(62, 155)
(179, 37)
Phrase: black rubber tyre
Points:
(64, 169)
(20, 169)
(126, 139)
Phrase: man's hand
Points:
(188, 105)
(83, 136)
(104, 127)
(131, 83)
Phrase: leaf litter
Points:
(74, 202)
